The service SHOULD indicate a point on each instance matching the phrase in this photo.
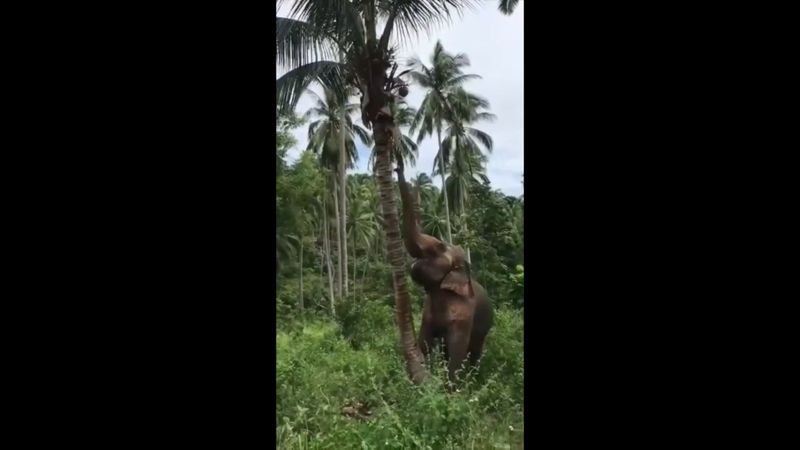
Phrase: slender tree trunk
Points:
(326, 242)
(338, 241)
(302, 306)
(330, 284)
(343, 191)
(464, 226)
(394, 249)
(321, 237)
(444, 187)
(343, 182)
(354, 261)
(366, 266)
(321, 258)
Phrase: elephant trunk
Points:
(468, 271)
(411, 231)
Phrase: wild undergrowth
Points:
(341, 384)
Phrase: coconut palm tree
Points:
(467, 168)
(323, 133)
(307, 44)
(325, 139)
(433, 223)
(423, 185)
(362, 220)
(463, 147)
(443, 81)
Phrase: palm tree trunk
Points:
(354, 261)
(338, 240)
(444, 187)
(321, 258)
(394, 249)
(302, 306)
(326, 242)
(366, 266)
(343, 195)
(464, 226)
(330, 284)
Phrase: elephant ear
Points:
(458, 282)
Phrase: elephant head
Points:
(438, 266)
(447, 270)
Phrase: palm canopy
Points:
(323, 134)
(443, 81)
(463, 151)
(363, 221)
(447, 103)
(464, 172)
(424, 185)
(463, 145)
(317, 31)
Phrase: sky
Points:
(494, 44)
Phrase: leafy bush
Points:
(517, 294)
(365, 323)
(315, 296)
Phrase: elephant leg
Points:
(457, 342)
(425, 340)
(476, 349)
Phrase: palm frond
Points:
(340, 19)
(291, 86)
(363, 135)
(486, 116)
(312, 128)
(299, 43)
(482, 137)
(410, 17)
(507, 6)
(461, 79)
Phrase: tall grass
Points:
(327, 368)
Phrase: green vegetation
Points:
(341, 384)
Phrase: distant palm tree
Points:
(325, 139)
(442, 80)
(323, 133)
(363, 222)
(467, 168)
(463, 147)
(425, 189)
(433, 223)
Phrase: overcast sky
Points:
(494, 44)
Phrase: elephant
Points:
(456, 307)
